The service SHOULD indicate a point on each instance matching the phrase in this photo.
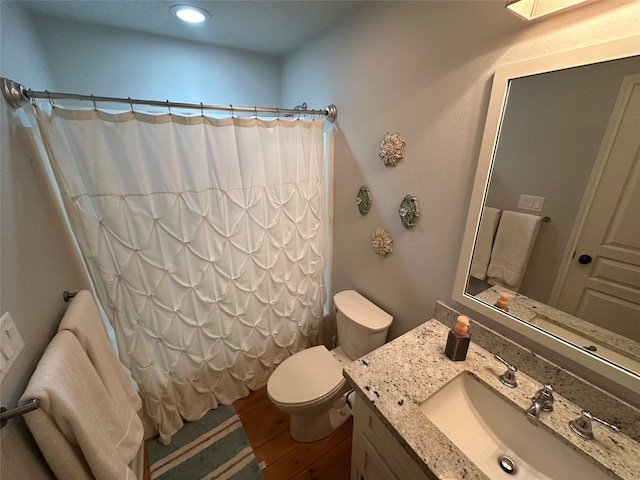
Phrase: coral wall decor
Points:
(409, 210)
(391, 149)
(381, 241)
(363, 200)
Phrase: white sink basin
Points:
(489, 430)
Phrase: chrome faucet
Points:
(508, 378)
(582, 425)
(542, 402)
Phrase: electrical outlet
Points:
(531, 203)
(11, 344)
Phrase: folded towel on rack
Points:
(484, 242)
(515, 238)
(83, 319)
(81, 431)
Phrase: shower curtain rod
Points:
(17, 96)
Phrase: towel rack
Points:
(5, 414)
(34, 403)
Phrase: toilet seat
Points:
(306, 378)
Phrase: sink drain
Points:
(507, 464)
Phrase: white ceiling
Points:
(266, 26)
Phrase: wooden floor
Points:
(268, 431)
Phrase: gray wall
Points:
(420, 68)
(423, 69)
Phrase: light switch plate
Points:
(531, 203)
(11, 344)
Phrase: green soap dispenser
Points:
(458, 340)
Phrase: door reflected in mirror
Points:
(565, 149)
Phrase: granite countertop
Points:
(402, 374)
(527, 309)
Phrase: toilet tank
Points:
(362, 325)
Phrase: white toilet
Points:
(309, 385)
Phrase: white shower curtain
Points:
(206, 242)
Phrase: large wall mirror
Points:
(554, 220)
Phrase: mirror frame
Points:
(613, 50)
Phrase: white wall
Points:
(90, 59)
(423, 69)
(36, 260)
(44, 53)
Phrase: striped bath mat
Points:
(214, 447)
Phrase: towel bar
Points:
(5, 414)
(34, 403)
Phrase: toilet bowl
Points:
(309, 385)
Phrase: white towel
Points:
(484, 242)
(81, 432)
(83, 319)
(515, 238)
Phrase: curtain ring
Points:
(231, 107)
(277, 113)
(131, 105)
(169, 107)
(93, 99)
(50, 99)
(201, 109)
(255, 112)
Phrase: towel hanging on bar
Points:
(82, 430)
(83, 319)
(515, 238)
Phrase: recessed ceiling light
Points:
(190, 14)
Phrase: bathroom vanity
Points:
(394, 438)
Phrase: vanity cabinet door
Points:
(376, 454)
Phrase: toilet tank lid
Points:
(361, 310)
